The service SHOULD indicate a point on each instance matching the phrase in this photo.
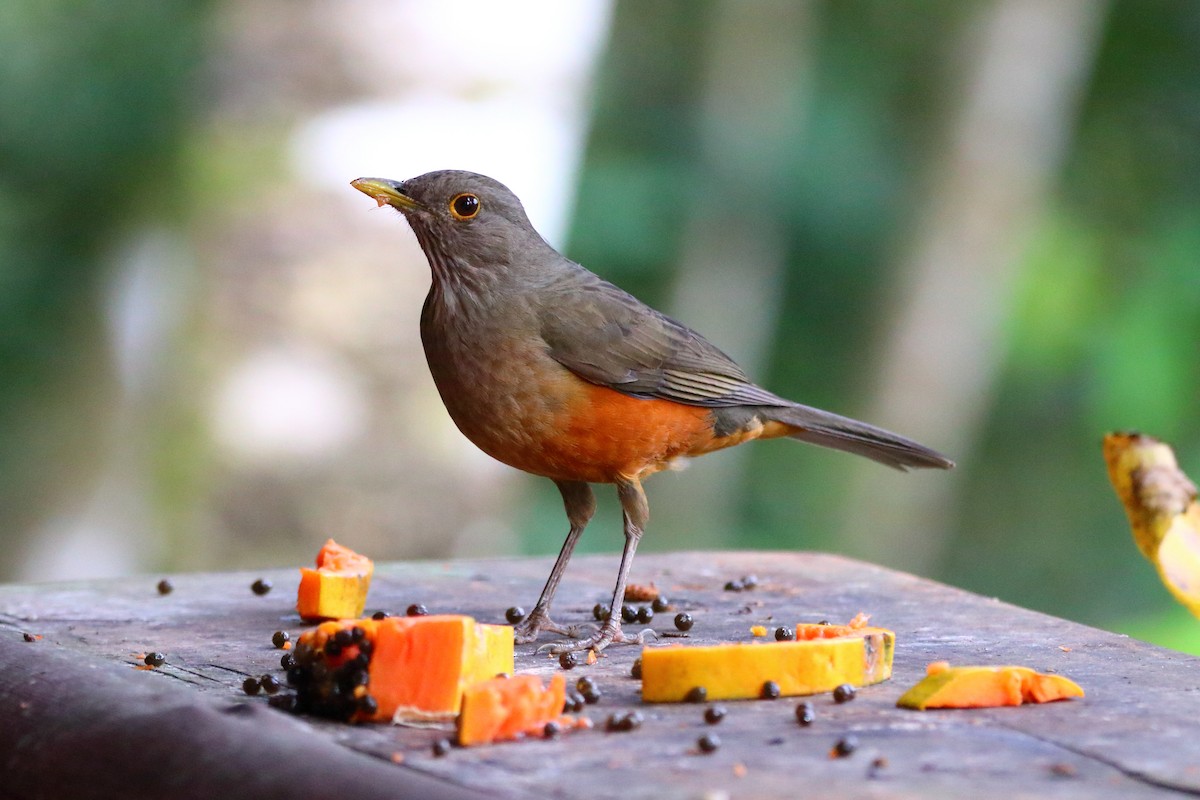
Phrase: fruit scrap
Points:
(337, 588)
(1163, 511)
(397, 668)
(821, 658)
(502, 709)
(641, 593)
(985, 687)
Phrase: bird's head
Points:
(462, 220)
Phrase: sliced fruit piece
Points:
(500, 709)
(397, 668)
(337, 588)
(985, 687)
(822, 658)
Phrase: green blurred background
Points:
(977, 223)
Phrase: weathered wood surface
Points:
(75, 712)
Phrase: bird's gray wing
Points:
(608, 337)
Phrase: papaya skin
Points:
(985, 687)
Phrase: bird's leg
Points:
(580, 504)
(636, 512)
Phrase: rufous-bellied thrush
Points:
(552, 370)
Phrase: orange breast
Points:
(603, 434)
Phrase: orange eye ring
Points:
(464, 206)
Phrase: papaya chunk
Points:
(502, 709)
(398, 669)
(821, 658)
(337, 588)
(945, 686)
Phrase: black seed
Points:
(333, 648)
(298, 676)
(417, 610)
(735, 586)
(287, 661)
(165, 586)
(660, 604)
(270, 684)
(569, 660)
(644, 615)
(284, 702)
(368, 705)
(714, 714)
(784, 634)
(552, 730)
(844, 693)
(514, 615)
(441, 746)
(155, 659)
(749, 581)
(251, 686)
(343, 638)
(600, 612)
(708, 742)
(378, 615)
(684, 621)
(823, 622)
(697, 694)
(845, 745)
(805, 714)
(280, 638)
(261, 586)
(29, 637)
(585, 685)
(502, 675)
(592, 697)
(769, 691)
(358, 636)
(628, 614)
(628, 721)
(636, 670)
(573, 702)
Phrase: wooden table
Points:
(78, 719)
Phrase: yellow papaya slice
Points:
(821, 658)
(985, 687)
(501, 708)
(397, 669)
(337, 588)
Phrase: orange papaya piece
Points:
(506, 708)
(985, 687)
(397, 668)
(821, 658)
(337, 587)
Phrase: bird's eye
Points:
(464, 206)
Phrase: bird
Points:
(549, 368)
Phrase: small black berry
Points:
(708, 742)
(417, 610)
(644, 615)
(165, 586)
(784, 634)
(251, 686)
(660, 604)
(628, 614)
(270, 684)
(155, 659)
(378, 615)
(287, 661)
(735, 586)
(569, 660)
(844, 693)
(684, 621)
(441, 747)
(635, 671)
(845, 746)
(770, 691)
(697, 694)
(261, 586)
(514, 615)
(714, 714)
(600, 612)
(280, 638)
(552, 730)
(29, 637)
(805, 714)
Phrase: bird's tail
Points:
(842, 433)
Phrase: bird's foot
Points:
(527, 630)
(609, 633)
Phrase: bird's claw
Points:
(527, 630)
(602, 638)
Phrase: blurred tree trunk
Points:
(942, 351)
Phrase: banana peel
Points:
(1163, 511)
